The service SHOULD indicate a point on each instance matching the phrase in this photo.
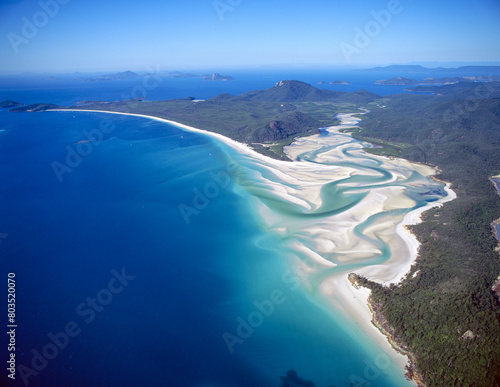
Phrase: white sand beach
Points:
(333, 240)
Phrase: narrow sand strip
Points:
(237, 145)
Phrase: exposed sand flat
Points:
(312, 255)
(335, 207)
(336, 239)
(412, 244)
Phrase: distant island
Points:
(181, 75)
(436, 81)
(9, 104)
(421, 69)
(172, 75)
(217, 77)
(335, 83)
(112, 77)
(397, 81)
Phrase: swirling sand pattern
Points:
(338, 210)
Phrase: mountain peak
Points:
(297, 91)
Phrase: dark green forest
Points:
(445, 310)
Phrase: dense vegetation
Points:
(298, 109)
(296, 91)
(267, 127)
(447, 313)
(35, 107)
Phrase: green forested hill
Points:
(265, 119)
(463, 89)
(266, 126)
(296, 91)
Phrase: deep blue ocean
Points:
(135, 291)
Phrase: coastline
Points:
(356, 301)
(415, 217)
(360, 296)
(494, 230)
(363, 294)
(228, 141)
(380, 322)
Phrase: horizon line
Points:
(211, 69)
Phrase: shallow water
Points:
(235, 260)
(193, 284)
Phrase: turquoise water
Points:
(119, 209)
(215, 292)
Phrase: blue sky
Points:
(90, 35)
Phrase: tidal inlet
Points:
(336, 210)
